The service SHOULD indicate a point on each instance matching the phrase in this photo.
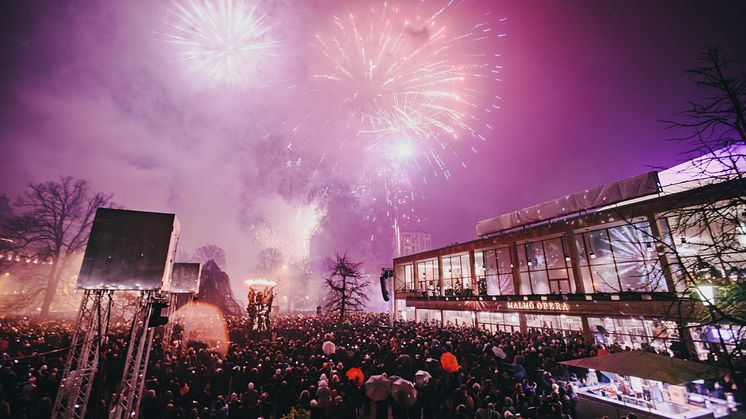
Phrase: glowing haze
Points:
(310, 126)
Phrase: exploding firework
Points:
(222, 41)
(409, 80)
(290, 226)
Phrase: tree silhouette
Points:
(209, 252)
(703, 244)
(346, 286)
(54, 225)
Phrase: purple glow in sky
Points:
(95, 90)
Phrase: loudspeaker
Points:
(185, 278)
(158, 316)
(129, 250)
(387, 273)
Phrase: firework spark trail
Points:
(292, 229)
(406, 81)
(219, 39)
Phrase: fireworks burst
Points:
(290, 228)
(410, 79)
(221, 40)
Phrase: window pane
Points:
(560, 287)
(522, 257)
(447, 271)
(632, 276)
(598, 247)
(628, 243)
(559, 273)
(539, 282)
(479, 264)
(503, 260)
(491, 272)
(655, 275)
(587, 283)
(465, 267)
(554, 253)
(506, 284)
(536, 256)
(580, 244)
(605, 279)
(525, 284)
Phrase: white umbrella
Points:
(378, 388)
(422, 378)
(403, 392)
(499, 352)
(328, 348)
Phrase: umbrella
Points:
(449, 362)
(422, 378)
(328, 348)
(650, 366)
(499, 352)
(356, 375)
(403, 392)
(378, 388)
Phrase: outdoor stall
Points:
(650, 386)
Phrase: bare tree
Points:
(270, 259)
(54, 225)
(346, 286)
(209, 252)
(696, 239)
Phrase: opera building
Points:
(620, 263)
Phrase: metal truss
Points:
(126, 404)
(173, 301)
(82, 360)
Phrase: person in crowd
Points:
(289, 373)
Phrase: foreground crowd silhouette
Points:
(287, 374)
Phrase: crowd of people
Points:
(290, 372)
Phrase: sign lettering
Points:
(539, 305)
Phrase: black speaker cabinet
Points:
(185, 277)
(129, 250)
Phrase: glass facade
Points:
(494, 269)
(428, 276)
(707, 339)
(556, 323)
(499, 322)
(459, 318)
(425, 315)
(620, 259)
(545, 267)
(403, 312)
(634, 332)
(456, 274)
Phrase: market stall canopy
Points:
(650, 366)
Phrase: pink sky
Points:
(89, 90)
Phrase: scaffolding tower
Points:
(126, 403)
(82, 360)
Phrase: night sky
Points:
(91, 90)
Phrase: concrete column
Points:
(516, 270)
(522, 322)
(587, 332)
(572, 251)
